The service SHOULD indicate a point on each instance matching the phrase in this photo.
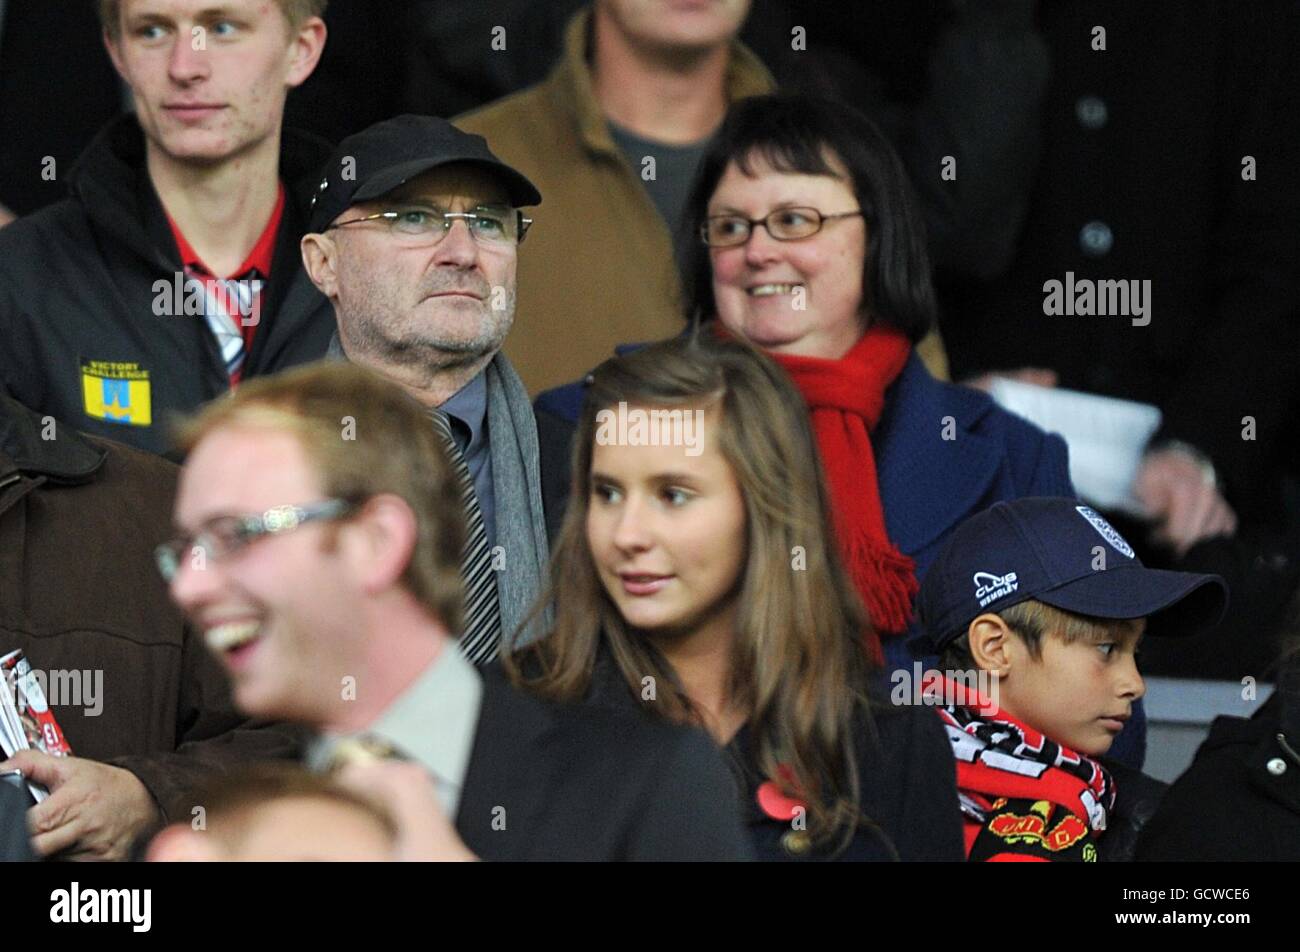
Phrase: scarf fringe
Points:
(886, 580)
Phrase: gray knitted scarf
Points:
(517, 492)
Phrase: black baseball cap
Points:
(1064, 554)
(373, 162)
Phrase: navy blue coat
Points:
(930, 484)
(943, 453)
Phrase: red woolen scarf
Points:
(845, 398)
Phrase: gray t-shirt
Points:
(673, 170)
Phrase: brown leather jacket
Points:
(79, 517)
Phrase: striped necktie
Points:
(482, 635)
(225, 302)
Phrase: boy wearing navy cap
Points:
(1045, 602)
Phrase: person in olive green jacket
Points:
(612, 138)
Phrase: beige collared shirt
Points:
(432, 722)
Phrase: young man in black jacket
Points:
(171, 271)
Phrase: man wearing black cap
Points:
(414, 238)
(1041, 603)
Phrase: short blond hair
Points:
(1033, 621)
(364, 436)
(231, 800)
(296, 12)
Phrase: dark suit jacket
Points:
(547, 782)
(15, 843)
(554, 436)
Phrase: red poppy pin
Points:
(776, 804)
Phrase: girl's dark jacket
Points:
(908, 784)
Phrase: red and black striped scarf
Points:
(1024, 796)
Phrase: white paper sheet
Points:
(1106, 436)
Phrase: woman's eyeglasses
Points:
(783, 224)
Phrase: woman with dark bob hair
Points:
(810, 246)
(797, 135)
(694, 580)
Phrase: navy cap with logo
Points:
(1060, 552)
(371, 163)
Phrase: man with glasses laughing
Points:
(415, 236)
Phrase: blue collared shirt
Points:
(467, 410)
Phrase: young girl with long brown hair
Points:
(697, 578)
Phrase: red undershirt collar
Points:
(259, 258)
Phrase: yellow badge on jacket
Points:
(116, 392)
